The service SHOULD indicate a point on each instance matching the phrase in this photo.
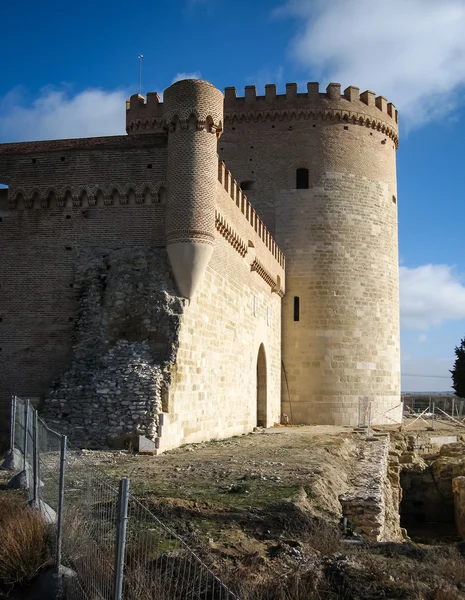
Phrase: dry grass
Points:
(23, 540)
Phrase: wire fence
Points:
(113, 546)
(412, 408)
(450, 404)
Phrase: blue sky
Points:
(68, 67)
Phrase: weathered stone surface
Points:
(125, 341)
(371, 505)
(458, 490)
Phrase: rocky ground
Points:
(263, 509)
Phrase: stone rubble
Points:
(125, 342)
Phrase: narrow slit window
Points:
(301, 179)
(296, 308)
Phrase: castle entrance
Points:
(261, 387)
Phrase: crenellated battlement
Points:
(351, 106)
(144, 115)
(147, 115)
(182, 100)
(243, 205)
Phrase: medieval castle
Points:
(230, 262)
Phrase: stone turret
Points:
(193, 114)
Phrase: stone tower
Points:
(193, 113)
(320, 169)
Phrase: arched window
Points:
(301, 179)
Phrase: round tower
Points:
(323, 169)
(193, 114)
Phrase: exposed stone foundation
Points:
(371, 505)
(125, 342)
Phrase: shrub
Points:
(23, 540)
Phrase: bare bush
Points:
(23, 540)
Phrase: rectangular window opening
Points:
(296, 308)
(301, 178)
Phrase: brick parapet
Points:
(365, 109)
(119, 142)
(239, 222)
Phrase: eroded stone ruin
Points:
(125, 342)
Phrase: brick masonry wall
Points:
(38, 302)
(90, 163)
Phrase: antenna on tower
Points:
(140, 57)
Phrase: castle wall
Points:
(39, 244)
(65, 322)
(38, 302)
(214, 382)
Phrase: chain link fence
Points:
(113, 546)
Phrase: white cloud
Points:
(411, 51)
(57, 114)
(180, 76)
(430, 295)
(422, 338)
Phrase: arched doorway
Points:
(261, 387)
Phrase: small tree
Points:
(458, 372)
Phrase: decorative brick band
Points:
(329, 114)
(110, 194)
(230, 235)
(266, 276)
(189, 236)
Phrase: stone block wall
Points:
(458, 489)
(213, 393)
(341, 264)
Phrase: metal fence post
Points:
(123, 497)
(60, 501)
(35, 460)
(26, 425)
(12, 423)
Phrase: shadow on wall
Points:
(3, 200)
